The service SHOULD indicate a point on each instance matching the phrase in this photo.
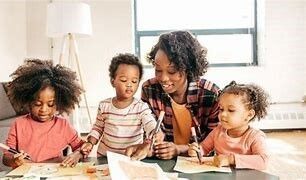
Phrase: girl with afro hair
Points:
(45, 91)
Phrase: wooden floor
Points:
(288, 154)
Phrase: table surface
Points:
(168, 165)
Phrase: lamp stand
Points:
(73, 55)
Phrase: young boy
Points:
(122, 120)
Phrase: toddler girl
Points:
(233, 140)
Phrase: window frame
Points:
(197, 32)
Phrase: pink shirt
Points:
(42, 140)
(249, 150)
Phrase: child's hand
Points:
(86, 148)
(72, 159)
(223, 160)
(138, 151)
(193, 149)
(19, 158)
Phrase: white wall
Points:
(38, 44)
(282, 46)
(12, 37)
(111, 35)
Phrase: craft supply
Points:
(194, 136)
(11, 150)
(160, 119)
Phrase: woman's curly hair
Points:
(124, 58)
(184, 51)
(254, 97)
(35, 75)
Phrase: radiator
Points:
(284, 116)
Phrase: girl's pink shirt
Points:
(249, 150)
(42, 140)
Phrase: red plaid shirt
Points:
(201, 102)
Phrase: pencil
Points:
(159, 120)
(13, 151)
(194, 136)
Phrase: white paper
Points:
(47, 170)
(51, 171)
(191, 165)
(123, 168)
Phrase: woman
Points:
(188, 100)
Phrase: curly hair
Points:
(254, 97)
(184, 51)
(124, 58)
(35, 75)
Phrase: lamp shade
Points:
(68, 17)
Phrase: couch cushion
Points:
(4, 129)
(6, 108)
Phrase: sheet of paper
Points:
(191, 165)
(49, 170)
(122, 167)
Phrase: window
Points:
(226, 28)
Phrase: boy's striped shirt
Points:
(119, 128)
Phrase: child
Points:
(234, 141)
(122, 120)
(44, 90)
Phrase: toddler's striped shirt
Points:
(119, 128)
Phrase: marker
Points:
(159, 120)
(13, 151)
(194, 136)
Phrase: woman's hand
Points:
(167, 150)
(159, 137)
(72, 159)
(141, 151)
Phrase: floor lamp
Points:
(67, 20)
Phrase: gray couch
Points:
(7, 115)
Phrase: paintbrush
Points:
(13, 151)
(159, 120)
(194, 136)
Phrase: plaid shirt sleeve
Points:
(202, 99)
(207, 115)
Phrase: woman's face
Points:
(171, 80)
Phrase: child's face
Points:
(233, 113)
(171, 80)
(126, 81)
(44, 108)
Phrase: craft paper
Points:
(191, 165)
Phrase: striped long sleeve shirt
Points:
(119, 128)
